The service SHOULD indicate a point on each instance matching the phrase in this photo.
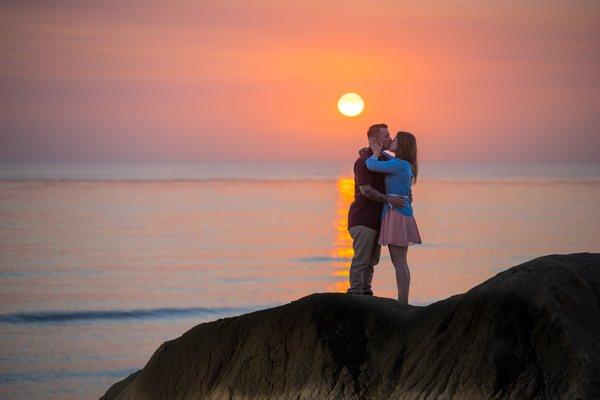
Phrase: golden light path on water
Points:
(342, 246)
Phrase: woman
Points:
(398, 226)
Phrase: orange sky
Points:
(491, 81)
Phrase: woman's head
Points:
(404, 146)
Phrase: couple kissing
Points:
(381, 213)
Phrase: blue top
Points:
(398, 180)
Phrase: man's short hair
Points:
(374, 129)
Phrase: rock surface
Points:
(530, 332)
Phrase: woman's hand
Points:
(376, 147)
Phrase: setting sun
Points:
(351, 104)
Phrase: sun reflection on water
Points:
(342, 251)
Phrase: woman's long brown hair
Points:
(407, 150)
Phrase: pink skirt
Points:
(398, 229)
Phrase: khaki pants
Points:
(366, 255)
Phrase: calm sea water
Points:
(101, 263)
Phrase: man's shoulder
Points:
(361, 161)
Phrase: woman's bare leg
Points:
(398, 256)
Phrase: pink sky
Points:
(505, 81)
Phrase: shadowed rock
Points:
(530, 332)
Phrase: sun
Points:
(351, 104)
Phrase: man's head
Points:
(380, 133)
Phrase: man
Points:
(364, 216)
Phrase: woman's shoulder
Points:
(398, 163)
(402, 162)
(405, 165)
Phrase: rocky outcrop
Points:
(530, 332)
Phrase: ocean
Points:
(102, 262)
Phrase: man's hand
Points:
(396, 201)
